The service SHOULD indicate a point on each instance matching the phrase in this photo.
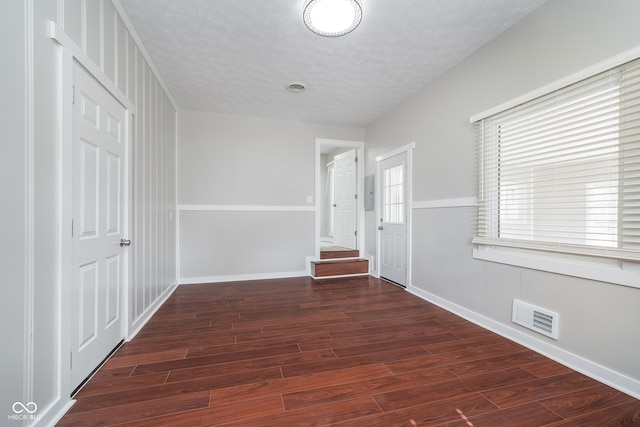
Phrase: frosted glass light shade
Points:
(332, 18)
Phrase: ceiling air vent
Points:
(296, 87)
(535, 318)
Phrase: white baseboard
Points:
(54, 413)
(139, 323)
(578, 363)
(240, 277)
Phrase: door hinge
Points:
(355, 196)
(71, 228)
(355, 233)
(355, 159)
(73, 95)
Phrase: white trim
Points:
(578, 363)
(177, 224)
(134, 35)
(408, 149)
(560, 248)
(626, 56)
(625, 274)
(126, 296)
(460, 202)
(340, 276)
(176, 215)
(240, 277)
(359, 146)
(65, 190)
(247, 208)
(54, 412)
(29, 168)
(58, 34)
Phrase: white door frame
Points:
(359, 146)
(68, 53)
(408, 149)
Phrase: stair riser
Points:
(339, 254)
(339, 269)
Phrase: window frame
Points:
(595, 264)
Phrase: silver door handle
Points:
(380, 227)
(125, 242)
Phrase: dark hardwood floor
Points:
(340, 352)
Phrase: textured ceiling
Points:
(239, 56)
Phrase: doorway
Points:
(394, 212)
(342, 192)
(339, 182)
(393, 219)
(99, 273)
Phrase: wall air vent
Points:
(535, 318)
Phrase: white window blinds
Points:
(562, 172)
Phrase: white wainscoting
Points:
(99, 36)
(154, 142)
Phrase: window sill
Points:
(624, 273)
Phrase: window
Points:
(561, 172)
(393, 195)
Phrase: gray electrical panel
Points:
(369, 190)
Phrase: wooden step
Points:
(339, 253)
(339, 267)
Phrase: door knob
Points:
(335, 206)
(125, 242)
(380, 227)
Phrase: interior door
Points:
(344, 207)
(99, 274)
(393, 219)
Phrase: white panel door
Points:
(344, 208)
(98, 219)
(393, 219)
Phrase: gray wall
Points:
(259, 164)
(598, 320)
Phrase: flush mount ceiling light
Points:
(332, 18)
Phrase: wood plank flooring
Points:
(338, 352)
